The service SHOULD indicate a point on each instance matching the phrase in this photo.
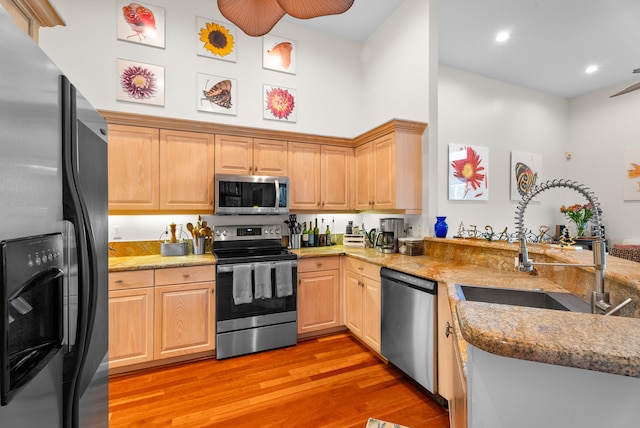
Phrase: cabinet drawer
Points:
(130, 279)
(369, 270)
(318, 263)
(184, 275)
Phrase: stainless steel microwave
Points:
(251, 194)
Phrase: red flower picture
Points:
(468, 172)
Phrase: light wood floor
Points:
(326, 382)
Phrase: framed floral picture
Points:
(279, 54)
(468, 172)
(216, 39)
(140, 83)
(217, 94)
(279, 103)
(525, 173)
(141, 23)
(632, 174)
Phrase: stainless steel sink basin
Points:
(529, 298)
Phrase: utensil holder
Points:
(295, 240)
(173, 248)
(197, 246)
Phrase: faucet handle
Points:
(613, 310)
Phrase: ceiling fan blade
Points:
(637, 70)
(254, 17)
(313, 9)
(627, 90)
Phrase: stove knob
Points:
(224, 233)
(218, 233)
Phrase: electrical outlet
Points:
(117, 232)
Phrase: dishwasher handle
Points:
(412, 281)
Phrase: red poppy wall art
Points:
(468, 172)
(140, 83)
(216, 39)
(141, 23)
(279, 103)
(279, 54)
(632, 174)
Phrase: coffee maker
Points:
(394, 225)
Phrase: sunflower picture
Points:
(215, 39)
(468, 171)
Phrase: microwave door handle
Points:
(277, 195)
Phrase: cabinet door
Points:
(304, 176)
(233, 155)
(446, 358)
(384, 172)
(363, 176)
(186, 171)
(184, 319)
(133, 168)
(353, 302)
(270, 157)
(318, 300)
(371, 313)
(334, 176)
(130, 326)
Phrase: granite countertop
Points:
(587, 341)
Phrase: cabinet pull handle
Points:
(319, 265)
(448, 330)
(213, 290)
(119, 281)
(186, 275)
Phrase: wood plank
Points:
(332, 381)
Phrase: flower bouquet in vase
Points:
(580, 215)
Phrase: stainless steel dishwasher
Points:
(408, 330)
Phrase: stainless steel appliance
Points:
(256, 290)
(386, 242)
(408, 329)
(251, 194)
(53, 171)
(395, 225)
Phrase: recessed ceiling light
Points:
(591, 69)
(502, 36)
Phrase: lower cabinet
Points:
(160, 314)
(318, 294)
(362, 301)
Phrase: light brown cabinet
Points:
(30, 15)
(130, 318)
(451, 379)
(250, 156)
(319, 176)
(362, 301)
(184, 311)
(160, 170)
(318, 294)
(388, 172)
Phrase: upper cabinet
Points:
(250, 156)
(159, 170)
(388, 168)
(30, 15)
(319, 176)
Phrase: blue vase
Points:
(441, 227)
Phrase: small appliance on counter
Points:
(388, 243)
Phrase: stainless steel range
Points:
(256, 283)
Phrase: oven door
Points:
(253, 294)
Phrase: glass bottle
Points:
(305, 235)
(328, 238)
(316, 234)
(311, 236)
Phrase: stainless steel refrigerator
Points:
(53, 220)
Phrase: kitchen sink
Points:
(529, 298)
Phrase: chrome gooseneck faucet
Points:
(599, 298)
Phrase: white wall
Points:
(600, 128)
(480, 111)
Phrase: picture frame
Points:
(279, 103)
(632, 173)
(140, 83)
(526, 170)
(279, 54)
(217, 94)
(468, 172)
(216, 39)
(141, 23)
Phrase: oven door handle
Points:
(229, 268)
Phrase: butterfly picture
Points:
(279, 54)
(525, 170)
(216, 94)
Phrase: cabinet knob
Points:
(213, 290)
(119, 281)
(448, 330)
(360, 268)
(319, 265)
(186, 275)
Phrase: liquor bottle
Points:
(323, 238)
(311, 236)
(305, 235)
(328, 238)
(316, 234)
